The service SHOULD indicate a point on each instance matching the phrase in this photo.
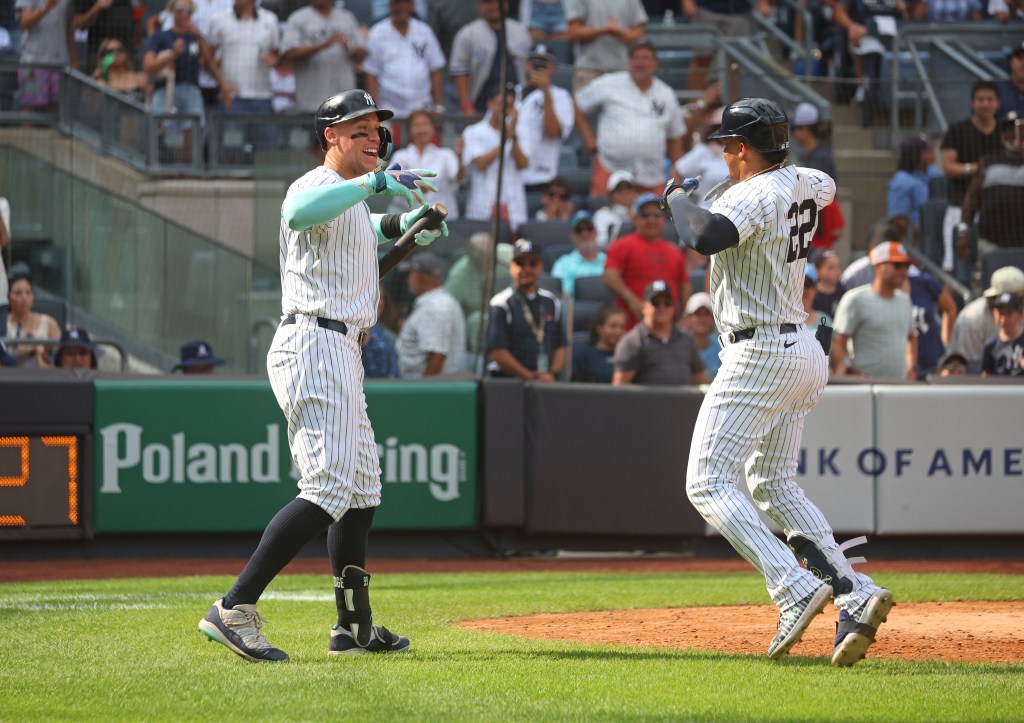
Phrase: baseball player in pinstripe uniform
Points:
(329, 296)
(757, 232)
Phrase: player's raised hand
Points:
(688, 186)
(426, 236)
(410, 185)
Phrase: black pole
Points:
(489, 277)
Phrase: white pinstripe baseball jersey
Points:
(761, 281)
(330, 270)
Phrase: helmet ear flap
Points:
(387, 143)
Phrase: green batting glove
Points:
(427, 236)
(393, 181)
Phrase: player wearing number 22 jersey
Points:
(774, 370)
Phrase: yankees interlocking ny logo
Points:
(658, 108)
(421, 50)
(368, 99)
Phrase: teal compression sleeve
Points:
(314, 206)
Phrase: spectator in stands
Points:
(403, 70)
(806, 132)
(527, 333)
(868, 30)
(1006, 10)
(379, 354)
(473, 63)
(181, 50)
(283, 86)
(934, 316)
(964, 144)
(874, 323)
(46, 38)
(638, 122)
(828, 288)
(603, 31)
(5, 238)
(546, 20)
(695, 114)
(433, 338)
(105, 19)
(480, 156)
(617, 212)
(705, 159)
(1011, 90)
(197, 357)
(23, 323)
(975, 324)
(75, 350)
(422, 152)
(1004, 353)
(114, 70)
(996, 196)
(546, 119)
(381, 9)
(699, 322)
(584, 260)
(247, 41)
(555, 202)
(447, 17)
(324, 45)
(656, 351)
(953, 11)
(467, 276)
(953, 365)
(637, 259)
(203, 13)
(592, 362)
(814, 316)
(731, 17)
(908, 187)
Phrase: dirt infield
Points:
(951, 631)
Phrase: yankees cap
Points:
(1011, 301)
(656, 288)
(1005, 279)
(524, 247)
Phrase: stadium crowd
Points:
(641, 313)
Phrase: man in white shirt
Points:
(638, 122)
(480, 156)
(324, 45)
(473, 63)
(433, 338)
(403, 70)
(204, 11)
(546, 118)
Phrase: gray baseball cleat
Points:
(382, 640)
(794, 620)
(238, 629)
(855, 633)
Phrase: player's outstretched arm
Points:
(711, 232)
(313, 206)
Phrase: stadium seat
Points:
(592, 288)
(584, 313)
(550, 283)
(551, 254)
(997, 259)
(545, 233)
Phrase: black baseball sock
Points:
(297, 523)
(346, 544)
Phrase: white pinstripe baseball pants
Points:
(752, 419)
(317, 377)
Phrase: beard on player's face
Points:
(357, 155)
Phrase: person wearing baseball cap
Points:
(975, 324)
(547, 117)
(586, 259)
(875, 323)
(809, 147)
(699, 321)
(197, 357)
(638, 258)
(526, 337)
(75, 350)
(656, 351)
(610, 218)
(1003, 355)
(432, 340)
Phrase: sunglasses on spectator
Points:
(183, 10)
(661, 303)
(650, 215)
(529, 263)
(584, 228)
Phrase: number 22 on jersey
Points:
(803, 219)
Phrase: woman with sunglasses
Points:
(114, 69)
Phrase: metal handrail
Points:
(806, 50)
(779, 82)
(923, 260)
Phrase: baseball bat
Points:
(406, 244)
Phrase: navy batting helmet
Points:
(759, 121)
(346, 106)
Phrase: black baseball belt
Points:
(743, 334)
(330, 324)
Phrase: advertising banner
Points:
(212, 456)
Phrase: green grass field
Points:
(130, 650)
